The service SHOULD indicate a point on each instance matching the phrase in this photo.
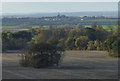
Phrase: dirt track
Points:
(75, 65)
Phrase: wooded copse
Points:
(94, 38)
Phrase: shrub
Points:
(81, 42)
(43, 55)
(112, 45)
(90, 45)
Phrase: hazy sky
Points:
(60, 0)
(40, 7)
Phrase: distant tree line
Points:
(78, 38)
(56, 21)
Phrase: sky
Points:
(43, 7)
(60, 0)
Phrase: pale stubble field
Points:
(75, 65)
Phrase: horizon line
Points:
(55, 12)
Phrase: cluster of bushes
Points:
(112, 45)
(15, 40)
(87, 38)
(95, 45)
(42, 55)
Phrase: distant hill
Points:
(107, 13)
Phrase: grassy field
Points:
(102, 20)
(17, 28)
(75, 65)
(8, 26)
(106, 27)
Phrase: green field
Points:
(18, 28)
(8, 26)
(45, 26)
(22, 29)
(106, 27)
(102, 20)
